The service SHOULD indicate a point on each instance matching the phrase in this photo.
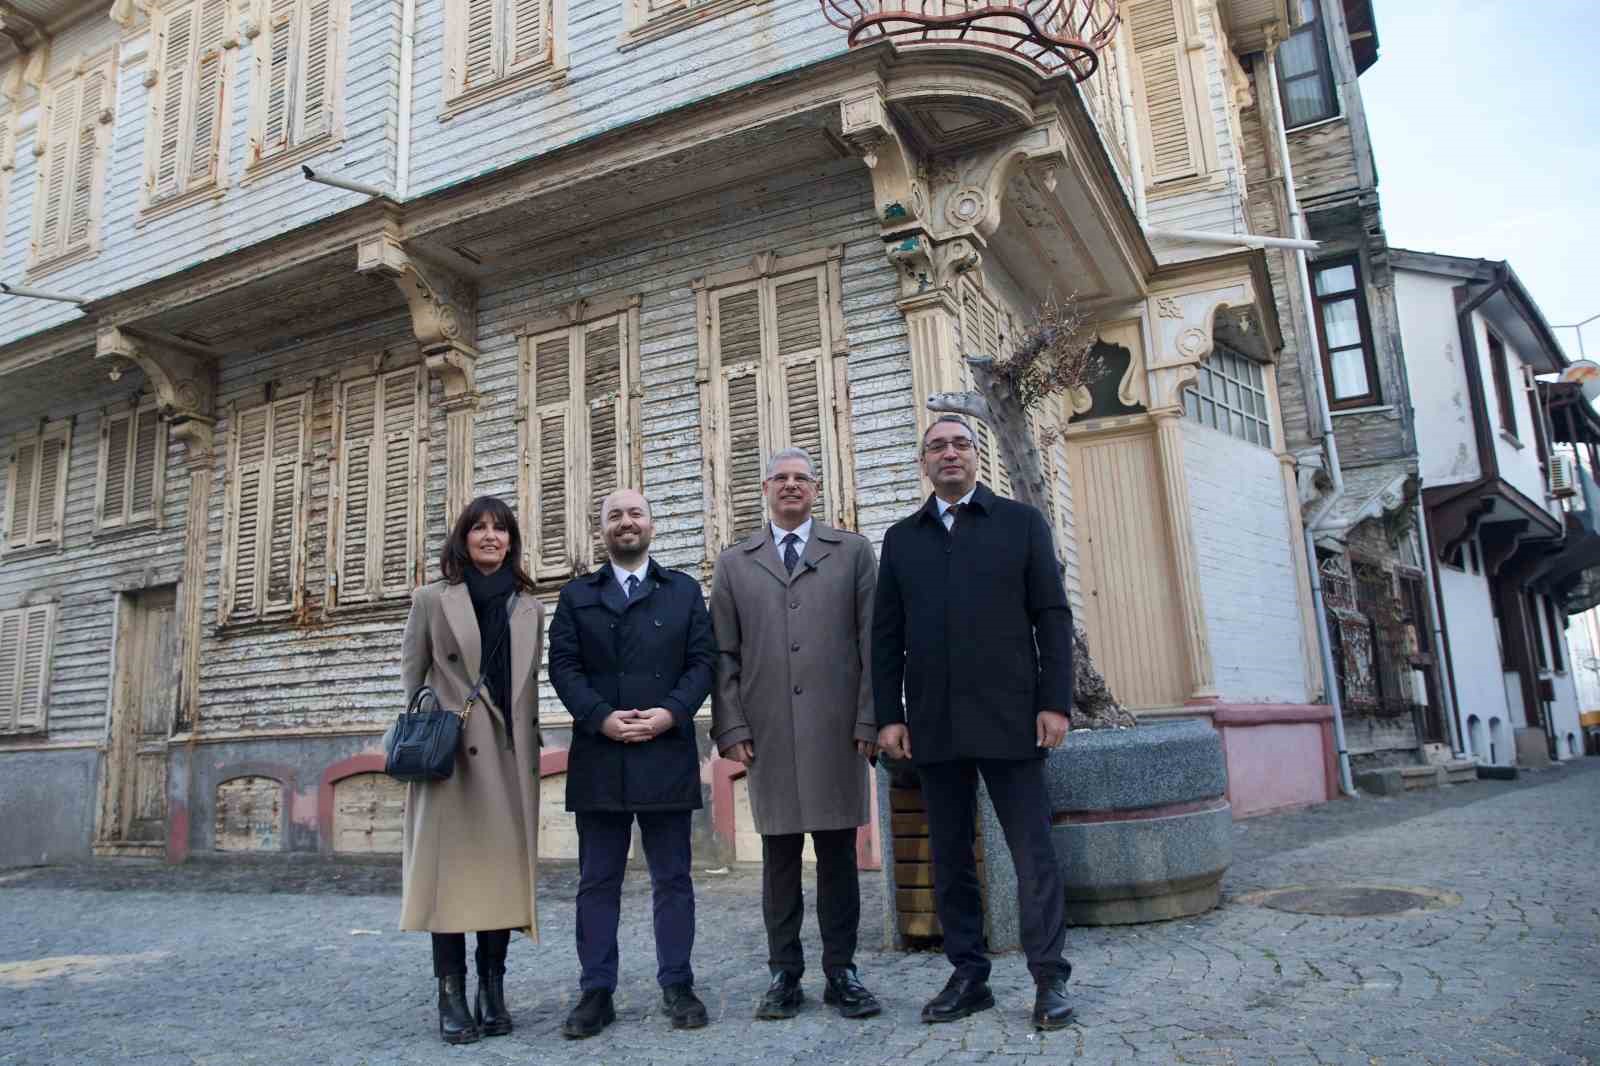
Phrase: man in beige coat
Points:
(791, 606)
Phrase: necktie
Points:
(791, 554)
(632, 585)
(955, 512)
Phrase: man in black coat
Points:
(632, 658)
(971, 624)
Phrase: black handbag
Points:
(427, 735)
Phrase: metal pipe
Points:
(1247, 240)
(1441, 639)
(1578, 328)
(341, 183)
(40, 294)
(1130, 130)
(408, 38)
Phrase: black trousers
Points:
(450, 952)
(1017, 789)
(603, 838)
(783, 902)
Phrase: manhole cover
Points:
(1353, 901)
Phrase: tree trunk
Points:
(996, 404)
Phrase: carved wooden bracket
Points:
(974, 192)
(924, 265)
(444, 308)
(184, 379)
(897, 186)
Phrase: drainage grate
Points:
(1353, 901)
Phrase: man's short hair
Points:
(790, 453)
(957, 419)
(606, 499)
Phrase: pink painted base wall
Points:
(1279, 756)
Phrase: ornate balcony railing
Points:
(1058, 37)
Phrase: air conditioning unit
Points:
(1563, 476)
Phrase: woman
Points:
(471, 841)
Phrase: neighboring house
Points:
(1509, 559)
(590, 243)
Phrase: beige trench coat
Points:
(472, 841)
(794, 676)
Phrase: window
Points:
(36, 493)
(133, 459)
(1500, 368)
(76, 132)
(1349, 365)
(773, 377)
(1305, 76)
(27, 639)
(297, 80)
(1168, 63)
(496, 47)
(985, 331)
(580, 388)
(262, 559)
(1230, 395)
(188, 99)
(376, 533)
(646, 20)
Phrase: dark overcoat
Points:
(971, 631)
(610, 653)
(793, 676)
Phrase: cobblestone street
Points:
(246, 963)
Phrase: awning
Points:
(1509, 522)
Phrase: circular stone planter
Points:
(1140, 824)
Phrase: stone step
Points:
(1460, 771)
(1416, 777)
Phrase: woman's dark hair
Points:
(455, 558)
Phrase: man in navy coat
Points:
(632, 658)
(971, 627)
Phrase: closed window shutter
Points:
(605, 392)
(316, 81)
(807, 409)
(24, 488)
(742, 395)
(250, 509)
(117, 433)
(527, 34)
(52, 489)
(478, 47)
(979, 336)
(360, 427)
(206, 132)
(278, 50)
(149, 454)
(402, 405)
(53, 193)
(11, 623)
(282, 561)
(93, 94)
(1171, 132)
(551, 438)
(34, 669)
(177, 45)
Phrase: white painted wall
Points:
(1447, 451)
(1245, 559)
(1583, 641)
(1475, 656)
(1564, 716)
(1516, 451)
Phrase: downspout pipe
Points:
(1246, 240)
(1330, 444)
(408, 42)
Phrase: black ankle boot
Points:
(455, 1020)
(493, 1018)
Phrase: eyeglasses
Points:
(793, 479)
(938, 445)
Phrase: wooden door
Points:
(133, 813)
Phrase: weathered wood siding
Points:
(1324, 159)
(84, 576)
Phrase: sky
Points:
(1485, 122)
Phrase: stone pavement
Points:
(299, 962)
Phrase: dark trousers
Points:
(1017, 789)
(603, 838)
(450, 953)
(783, 903)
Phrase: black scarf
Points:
(489, 594)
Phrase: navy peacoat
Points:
(609, 653)
(974, 627)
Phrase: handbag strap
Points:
(472, 697)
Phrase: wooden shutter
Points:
(526, 36)
(316, 71)
(277, 51)
(1171, 130)
(478, 43)
(116, 442)
(93, 95)
(395, 539)
(250, 510)
(33, 682)
(147, 476)
(357, 436)
(980, 337)
(805, 408)
(605, 394)
(53, 190)
(11, 623)
(132, 454)
(208, 122)
(282, 560)
(736, 333)
(51, 491)
(550, 436)
(177, 47)
(22, 492)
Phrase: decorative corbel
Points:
(126, 12)
(924, 266)
(184, 379)
(33, 71)
(898, 190)
(1038, 152)
(443, 308)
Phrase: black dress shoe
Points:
(783, 997)
(1050, 1009)
(679, 1003)
(961, 996)
(490, 1008)
(846, 992)
(456, 1025)
(593, 1013)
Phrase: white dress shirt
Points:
(802, 531)
(944, 508)
(622, 575)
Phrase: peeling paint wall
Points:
(1447, 448)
